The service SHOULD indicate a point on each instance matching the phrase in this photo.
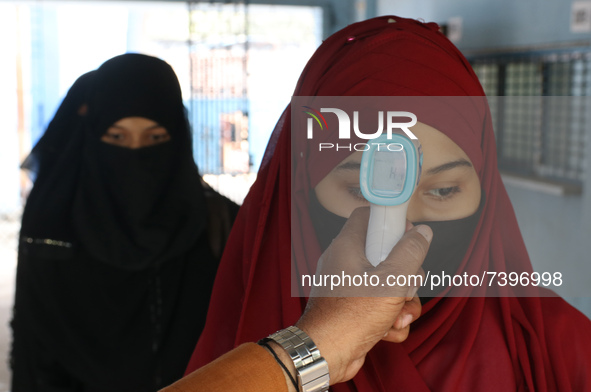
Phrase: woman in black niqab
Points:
(114, 257)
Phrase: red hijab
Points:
(502, 343)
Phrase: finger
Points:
(401, 328)
(413, 290)
(409, 313)
(351, 239)
(345, 256)
(397, 335)
(409, 253)
(356, 225)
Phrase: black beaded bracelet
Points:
(265, 343)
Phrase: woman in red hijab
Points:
(475, 342)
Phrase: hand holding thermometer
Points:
(390, 171)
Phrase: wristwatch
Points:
(311, 368)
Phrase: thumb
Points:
(408, 254)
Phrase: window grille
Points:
(218, 50)
(540, 132)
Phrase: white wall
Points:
(556, 229)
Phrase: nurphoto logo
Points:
(391, 119)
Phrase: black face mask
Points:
(326, 224)
(449, 245)
(136, 180)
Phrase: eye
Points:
(113, 136)
(157, 135)
(444, 193)
(356, 193)
(160, 137)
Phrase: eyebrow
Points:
(438, 169)
(349, 166)
(448, 166)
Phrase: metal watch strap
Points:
(311, 368)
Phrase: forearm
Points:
(283, 357)
(247, 368)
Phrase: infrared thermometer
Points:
(390, 171)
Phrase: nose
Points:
(135, 141)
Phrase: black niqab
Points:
(137, 208)
(55, 139)
(115, 269)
